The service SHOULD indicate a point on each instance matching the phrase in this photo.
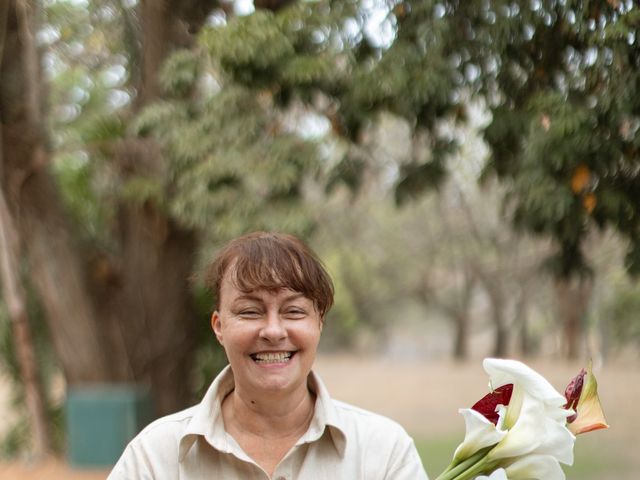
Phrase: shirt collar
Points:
(207, 420)
(325, 415)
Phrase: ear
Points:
(321, 323)
(216, 326)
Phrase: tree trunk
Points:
(461, 339)
(459, 312)
(120, 318)
(522, 319)
(493, 286)
(154, 304)
(501, 334)
(32, 197)
(161, 325)
(14, 297)
(572, 299)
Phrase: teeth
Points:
(272, 357)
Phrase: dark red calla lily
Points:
(573, 392)
(582, 398)
(487, 405)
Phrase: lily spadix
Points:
(520, 427)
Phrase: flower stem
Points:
(483, 466)
(454, 472)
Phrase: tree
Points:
(559, 79)
(167, 156)
(89, 309)
(30, 192)
(116, 290)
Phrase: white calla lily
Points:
(535, 466)
(534, 431)
(499, 474)
(519, 430)
(502, 372)
(480, 433)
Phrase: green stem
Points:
(483, 466)
(453, 472)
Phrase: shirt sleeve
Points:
(407, 464)
(132, 465)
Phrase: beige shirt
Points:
(342, 442)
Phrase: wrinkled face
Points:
(270, 337)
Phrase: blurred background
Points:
(468, 172)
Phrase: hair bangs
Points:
(270, 269)
(271, 261)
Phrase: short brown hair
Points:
(270, 261)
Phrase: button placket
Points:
(284, 471)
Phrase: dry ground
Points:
(424, 397)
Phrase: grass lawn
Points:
(593, 461)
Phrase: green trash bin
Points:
(102, 419)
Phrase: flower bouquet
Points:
(523, 429)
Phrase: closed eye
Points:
(295, 313)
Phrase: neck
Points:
(271, 416)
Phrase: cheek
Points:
(237, 338)
(308, 335)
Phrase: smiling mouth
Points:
(272, 357)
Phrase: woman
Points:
(267, 415)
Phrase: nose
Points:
(273, 329)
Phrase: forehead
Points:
(231, 291)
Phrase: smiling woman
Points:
(268, 415)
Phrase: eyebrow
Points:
(295, 296)
(249, 296)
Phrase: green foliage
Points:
(561, 83)
(348, 171)
(240, 46)
(180, 73)
(158, 115)
(344, 319)
(232, 163)
(559, 79)
(561, 110)
(282, 53)
(307, 70)
(87, 73)
(75, 176)
(100, 129)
